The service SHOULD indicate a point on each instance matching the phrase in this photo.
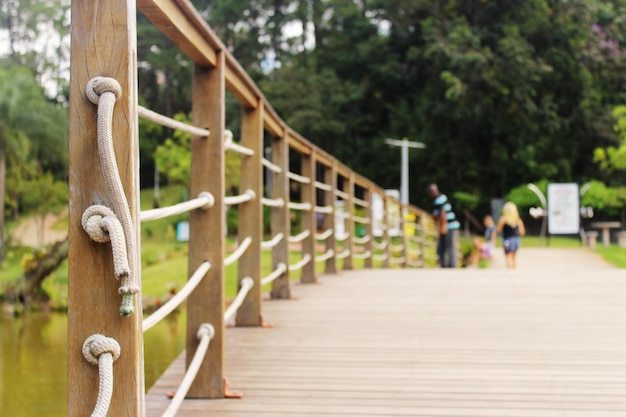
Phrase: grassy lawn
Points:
(613, 254)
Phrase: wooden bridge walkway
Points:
(548, 339)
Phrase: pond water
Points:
(33, 361)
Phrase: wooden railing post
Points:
(369, 226)
(308, 220)
(348, 262)
(422, 239)
(251, 215)
(404, 240)
(330, 178)
(94, 301)
(385, 226)
(207, 229)
(280, 216)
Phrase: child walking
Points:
(512, 228)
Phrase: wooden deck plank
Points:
(535, 342)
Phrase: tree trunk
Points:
(27, 288)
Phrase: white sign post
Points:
(563, 209)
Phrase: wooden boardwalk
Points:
(548, 339)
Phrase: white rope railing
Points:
(102, 225)
(360, 202)
(243, 246)
(104, 92)
(298, 178)
(271, 166)
(281, 268)
(299, 206)
(324, 235)
(246, 284)
(415, 239)
(205, 334)
(171, 123)
(362, 240)
(323, 186)
(273, 202)
(178, 298)
(380, 246)
(414, 263)
(363, 255)
(323, 209)
(380, 258)
(204, 200)
(269, 244)
(300, 264)
(343, 254)
(413, 252)
(247, 195)
(299, 237)
(398, 260)
(362, 220)
(343, 195)
(102, 351)
(229, 144)
(342, 237)
(325, 256)
(396, 248)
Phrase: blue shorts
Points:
(511, 244)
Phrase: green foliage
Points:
(174, 159)
(605, 199)
(44, 195)
(612, 157)
(33, 142)
(524, 198)
(465, 201)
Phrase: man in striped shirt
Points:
(447, 226)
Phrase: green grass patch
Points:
(613, 254)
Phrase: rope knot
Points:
(102, 225)
(100, 85)
(97, 344)
(205, 329)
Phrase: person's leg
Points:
(441, 250)
(452, 248)
(509, 259)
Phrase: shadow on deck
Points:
(548, 339)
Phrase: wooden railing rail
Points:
(104, 44)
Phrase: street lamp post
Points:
(405, 144)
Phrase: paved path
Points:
(545, 340)
(34, 231)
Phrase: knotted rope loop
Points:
(205, 329)
(104, 92)
(102, 351)
(96, 345)
(97, 86)
(102, 226)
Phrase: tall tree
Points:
(29, 121)
(38, 34)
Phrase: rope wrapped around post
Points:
(104, 92)
(102, 226)
(102, 351)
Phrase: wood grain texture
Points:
(207, 228)
(308, 220)
(545, 340)
(94, 302)
(251, 215)
(281, 286)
